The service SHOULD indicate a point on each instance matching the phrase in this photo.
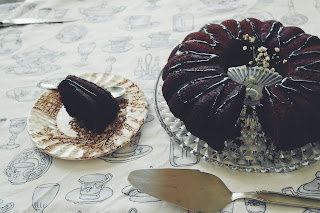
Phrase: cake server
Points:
(23, 21)
(199, 191)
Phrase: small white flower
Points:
(272, 69)
(243, 67)
(262, 49)
(265, 53)
(266, 64)
(252, 39)
(284, 61)
(267, 58)
(260, 55)
(277, 49)
(250, 62)
(244, 48)
(252, 78)
(246, 37)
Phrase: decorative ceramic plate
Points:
(41, 160)
(247, 156)
(59, 135)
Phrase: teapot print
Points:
(37, 61)
(311, 189)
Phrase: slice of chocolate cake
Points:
(87, 102)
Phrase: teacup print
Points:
(19, 173)
(92, 189)
(92, 184)
(137, 196)
(139, 22)
(27, 166)
(255, 206)
(118, 45)
(23, 94)
(129, 152)
(159, 40)
(71, 33)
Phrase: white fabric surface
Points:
(32, 53)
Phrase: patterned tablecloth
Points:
(132, 39)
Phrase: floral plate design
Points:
(59, 135)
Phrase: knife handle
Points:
(280, 198)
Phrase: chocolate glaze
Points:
(88, 103)
(299, 86)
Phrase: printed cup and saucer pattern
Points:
(29, 165)
(129, 152)
(92, 189)
(118, 45)
(137, 22)
(159, 40)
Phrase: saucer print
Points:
(75, 197)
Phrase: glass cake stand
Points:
(250, 154)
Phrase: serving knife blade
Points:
(24, 21)
(199, 191)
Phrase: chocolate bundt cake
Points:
(200, 92)
(88, 102)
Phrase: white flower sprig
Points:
(261, 58)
